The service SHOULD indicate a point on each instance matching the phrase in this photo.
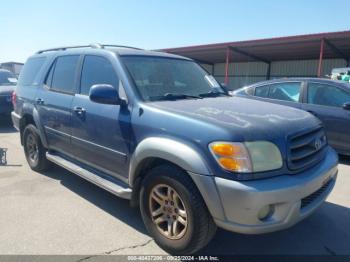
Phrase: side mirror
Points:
(346, 106)
(105, 94)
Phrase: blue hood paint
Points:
(198, 122)
(248, 119)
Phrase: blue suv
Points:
(157, 129)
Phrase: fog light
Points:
(265, 212)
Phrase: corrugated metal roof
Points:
(337, 45)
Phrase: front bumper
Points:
(293, 197)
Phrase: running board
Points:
(115, 188)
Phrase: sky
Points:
(28, 26)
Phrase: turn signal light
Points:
(231, 156)
(226, 149)
(230, 163)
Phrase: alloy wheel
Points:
(168, 211)
(32, 148)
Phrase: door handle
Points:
(39, 101)
(79, 110)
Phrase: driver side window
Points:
(97, 70)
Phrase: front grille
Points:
(311, 198)
(306, 149)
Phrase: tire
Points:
(193, 231)
(34, 150)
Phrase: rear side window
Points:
(97, 70)
(30, 71)
(262, 91)
(249, 91)
(64, 72)
(285, 91)
(326, 95)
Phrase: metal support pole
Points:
(319, 69)
(268, 74)
(348, 63)
(227, 65)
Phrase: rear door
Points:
(54, 102)
(101, 132)
(284, 93)
(326, 101)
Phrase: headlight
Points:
(247, 157)
(264, 155)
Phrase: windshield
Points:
(158, 78)
(7, 78)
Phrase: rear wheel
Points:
(34, 150)
(174, 212)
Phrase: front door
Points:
(101, 133)
(325, 102)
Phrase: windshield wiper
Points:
(212, 93)
(174, 96)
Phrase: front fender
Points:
(185, 157)
(173, 151)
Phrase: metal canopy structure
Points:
(302, 47)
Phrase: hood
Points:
(244, 118)
(6, 90)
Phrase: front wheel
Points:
(174, 212)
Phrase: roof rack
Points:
(96, 46)
(122, 46)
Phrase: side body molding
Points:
(167, 149)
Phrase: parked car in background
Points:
(328, 100)
(157, 129)
(342, 74)
(7, 85)
(13, 67)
